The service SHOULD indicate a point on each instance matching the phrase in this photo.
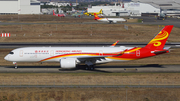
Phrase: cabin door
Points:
(138, 53)
(52, 53)
(21, 53)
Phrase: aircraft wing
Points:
(97, 57)
(110, 21)
(91, 57)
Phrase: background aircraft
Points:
(78, 14)
(92, 13)
(110, 20)
(69, 57)
(59, 15)
(161, 16)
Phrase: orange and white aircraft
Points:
(110, 20)
(59, 15)
(69, 57)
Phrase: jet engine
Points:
(68, 63)
(114, 21)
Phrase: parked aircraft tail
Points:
(159, 41)
(96, 17)
(100, 12)
(53, 13)
(73, 9)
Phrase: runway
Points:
(101, 69)
(91, 86)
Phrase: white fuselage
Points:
(54, 54)
(114, 20)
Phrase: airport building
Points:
(169, 7)
(19, 7)
(139, 8)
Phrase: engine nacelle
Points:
(68, 63)
(114, 21)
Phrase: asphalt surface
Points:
(92, 86)
(100, 69)
(154, 21)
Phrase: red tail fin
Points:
(159, 41)
(96, 16)
(53, 13)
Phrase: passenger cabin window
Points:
(11, 53)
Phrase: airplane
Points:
(110, 20)
(73, 11)
(161, 15)
(78, 14)
(59, 15)
(92, 13)
(69, 57)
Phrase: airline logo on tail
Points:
(159, 41)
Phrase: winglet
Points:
(159, 41)
(114, 44)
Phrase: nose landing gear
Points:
(15, 65)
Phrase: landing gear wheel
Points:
(15, 65)
(91, 68)
(87, 68)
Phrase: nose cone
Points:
(6, 57)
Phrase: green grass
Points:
(140, 20)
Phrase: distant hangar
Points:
(140, 7)
(163, 4)
(19, 7)
(169, 7)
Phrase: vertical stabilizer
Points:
(96, 17)
(100, 12)
(159, 41)
(53, 13)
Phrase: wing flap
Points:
(98, 57)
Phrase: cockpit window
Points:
(11, 53)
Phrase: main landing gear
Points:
(90, 67)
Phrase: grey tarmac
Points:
(90, 86)
(151, 68)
